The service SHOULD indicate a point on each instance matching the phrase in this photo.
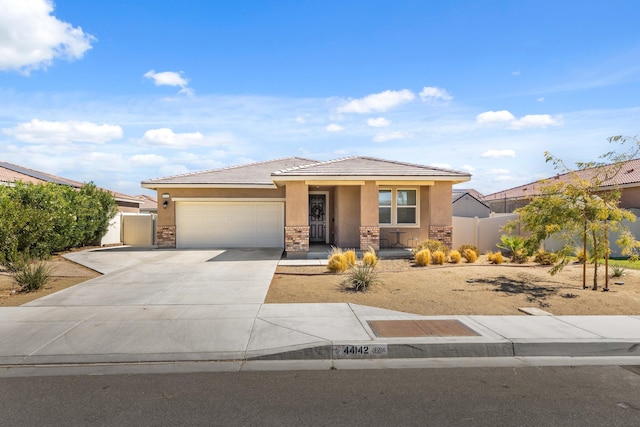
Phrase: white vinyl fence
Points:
(483, 233)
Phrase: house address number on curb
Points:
(367, 351)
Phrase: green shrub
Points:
(545, 258)
(495, 257)
(455, 257)
(432, 245)
(520, 256)
(470, 255)
(370, 258)
(32, 276)
(438, 257)
(361, 277)
(423, 258)
(351, 257)
(462, 248)
(337, 263)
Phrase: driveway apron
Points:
(151, 305)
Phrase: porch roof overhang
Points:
(360, 180)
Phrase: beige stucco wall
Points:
(630, 198)
(297, 206)
(347, 217)
(168, 216)
(369, 203)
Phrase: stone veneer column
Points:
(166, 236)
(369, 237)
(296, 238)
(443, 233)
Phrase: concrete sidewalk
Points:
(171, 306)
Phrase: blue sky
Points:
(116, 91)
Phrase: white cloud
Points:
(434, 93)
(380, 122)
(541, 99)
(495, 117)
(301, 120)
(468, 168)
(167, 138)
(383, 137)
(515, 73)
(536, 121)
(31, 37)
(334, 128)
(170, 78)
(42, 132)
(441, 165)
(382, 101)
(497, 154)
(528, 121)
(147, 160)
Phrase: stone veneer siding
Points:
(166, 235)
(296, 238)
(443, 233)
(369, 237)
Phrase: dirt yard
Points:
(479, 288)
(64, 274)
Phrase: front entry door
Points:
(317, 218)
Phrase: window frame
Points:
(395, 207)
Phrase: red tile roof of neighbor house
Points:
(621, 175)
(148, 202)
(10, 173)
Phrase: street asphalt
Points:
(182, 306)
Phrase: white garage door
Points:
(230, 224)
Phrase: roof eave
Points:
(155, 186)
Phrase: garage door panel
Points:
(233, 224)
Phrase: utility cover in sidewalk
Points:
(421, 328)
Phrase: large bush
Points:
(40, 219)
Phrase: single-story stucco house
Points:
(292, 203)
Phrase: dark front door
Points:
(317, 218)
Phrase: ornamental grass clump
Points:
(470, 255)
(370, 258)
(495, 257)
(432, 245)
(360, 278)
(423, 258)
(337, 261)
(454, 257)
(438, 257)
(351, 257)
(545, 258)
(462, 248)
(32, 276)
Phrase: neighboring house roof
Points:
(627, 176)
(10, 173)
(148, 202)
(459, 192)
(265, 174)
(459, 196)
(251, 175)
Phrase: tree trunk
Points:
(595, 261)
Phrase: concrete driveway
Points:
(170, 277)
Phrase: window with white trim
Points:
(398, 207)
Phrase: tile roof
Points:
(360, 166)
(628, 174)
(148, 202)
(10, 173)
(248, 174)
